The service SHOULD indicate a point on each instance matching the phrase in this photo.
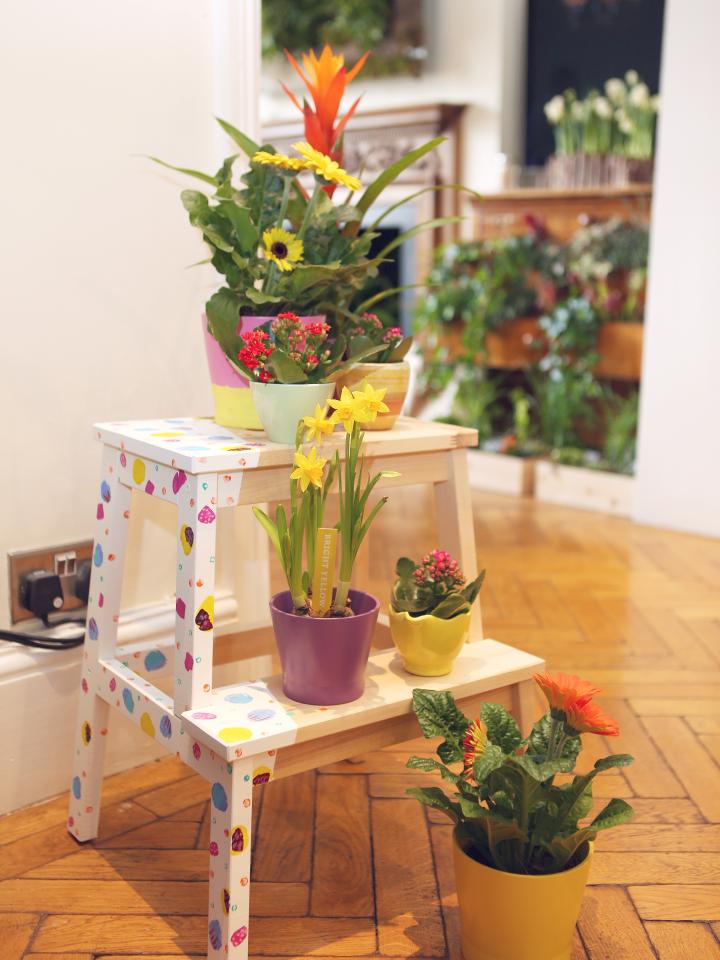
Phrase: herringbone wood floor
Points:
(346, 866)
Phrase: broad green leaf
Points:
(434, 797)
(438, 715)
(223, 313)
(405, 567)
(260, 298)
(489, 760)
(401, 350)
(450, 606)
(430, 765)
(248, 146)
(198, 174)
(616, 760)
(542, 771)
(501, 727)
(471, 590)
(242, 225)
(612, 815)
(471, 808)
(285, 369)
(540, 737)
(393, 172)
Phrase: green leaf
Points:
(612, 815)
(198, 174)
(438, 715)
(244, 229)
(414, 231)
(450, 606)
(542, 771)
(616, 760)
(384, 294)
(471, 590)
(400, 350)
(285, 369)
(430, 765)
(405, 567)
(393, 172)
(412, 196)
(248, 146)
(434, 797)
(223, 313)
(540, 737)
(269, 527)
(260, 298)
(491, 759)
(501, 727)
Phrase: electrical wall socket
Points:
(63, 560)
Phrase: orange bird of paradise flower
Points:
(326, 80)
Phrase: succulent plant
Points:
(434, 586)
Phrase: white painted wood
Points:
(588, 489)
(501, 473)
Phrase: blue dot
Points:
(215, 934)
(155, 660)
(105, 491)
(98, 555)
(238, 698)
(76, 787)
(128, 700)
(261, 714)
(165, 726)
(93, 631)
(219, 797)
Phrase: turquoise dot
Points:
(128, 700)
(76, 787)
(219, 797)
(155, 660)
(238, 698)
(98, 555)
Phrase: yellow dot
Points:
(233, 734)
(138, 471)
(166, 433)
(147, 725)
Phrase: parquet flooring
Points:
(345, 865)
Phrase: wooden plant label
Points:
(324, 572)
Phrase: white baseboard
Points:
(38, 704)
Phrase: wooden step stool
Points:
(232, 735)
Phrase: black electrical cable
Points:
(40, 642)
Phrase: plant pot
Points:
(281, 405)
(428, 645)
(513, 916)
(394, 377)
(234, 405)
(324, 658)
(501, 472)
(585, 488)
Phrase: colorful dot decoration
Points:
(128, 700)
(138, 471)
(233, 734)
(155, 660)
(219, 797)
(239, 840)
(238, 698)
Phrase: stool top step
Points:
(273, 720)
(199, 445)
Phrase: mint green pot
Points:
(281, 405)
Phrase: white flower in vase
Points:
(640, 95)
(577, 110)
(555, 109)
(632, 77)
(616, 90)
(603, 108)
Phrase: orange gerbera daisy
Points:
(474, 743)
(563, 687)
(589, 718)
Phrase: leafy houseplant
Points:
(387, 369)
(518, 829)
(430, 612)
(324, 634)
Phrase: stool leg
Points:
(195, 591)
(230, 826)
(112, 516)
(454, 524)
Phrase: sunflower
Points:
(325, 167)
(308, 469)
(283, 248)
(284, 163)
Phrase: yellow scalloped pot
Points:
(234, 407)
(394, 377)
(511, 916)
(427, 644)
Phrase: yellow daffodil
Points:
(371, 401)
(345, 410)
(283, 248)
(318, 426)
(308, 469)
(280, 160)
(325, 167)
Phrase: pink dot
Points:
(180, 607)
(239, 936)
(196, 751)
(84, 685)
(101, 599)
(214, 850)
(204, 716)
(71, 821)
(123, 459)
(113, 683)
(188, 662)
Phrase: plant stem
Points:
(309, 211)
(273, 273)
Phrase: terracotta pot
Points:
(514, 916)
(234, 405)
(395, 377)
(324, 658)
(428, 645)
(281, 405)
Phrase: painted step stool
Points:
(232, 735)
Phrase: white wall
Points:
(678, 476)
(99, 315)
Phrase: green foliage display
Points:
(621, 419)
(510, 811)
(433, 586)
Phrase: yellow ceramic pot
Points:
(234, 407)
(512, 916)
(394, 377)
(427, 644)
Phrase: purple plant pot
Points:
(324, 658)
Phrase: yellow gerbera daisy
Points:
(318, 426)
(292, 164)
(282, 247)
(325, 167)
(371, 401)
(346, 410)
(308, 469)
